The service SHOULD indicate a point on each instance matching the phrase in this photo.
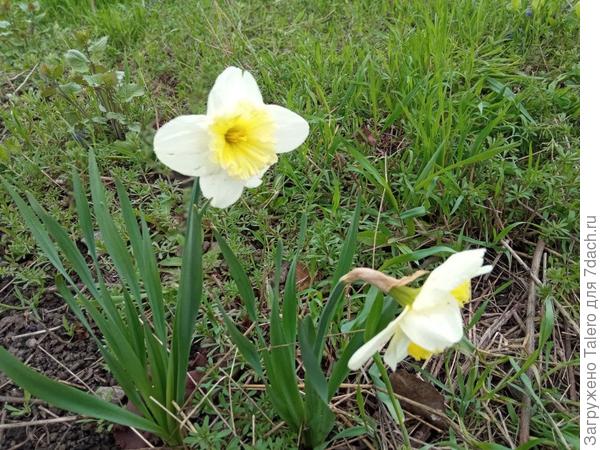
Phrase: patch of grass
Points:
(455, 122)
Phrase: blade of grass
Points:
(374, 176)
(415, 256)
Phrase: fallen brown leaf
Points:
(408, 385)
(303, 280)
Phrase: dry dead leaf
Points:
(303, 280)
(421, 392)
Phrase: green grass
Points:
(456, 123)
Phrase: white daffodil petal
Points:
(256, 181)
(182, 144)
(434, 329)
(374, 345)
(291, 130)
(231, 87)
(484, 270)
(221, 189)
(397, 350)
(253, 182)
(457, 269)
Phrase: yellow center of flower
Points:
(242, 141)
(462, 293)
(417, 352)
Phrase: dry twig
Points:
(530, 339)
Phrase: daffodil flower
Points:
(234, 143)
(430, 323)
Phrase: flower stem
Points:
(395, 402)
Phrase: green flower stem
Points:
(404, 295)
(394, 399)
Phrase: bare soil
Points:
(62, 350)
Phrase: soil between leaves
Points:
(68, 344)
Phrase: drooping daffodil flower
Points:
(431, 319)
(234, 143)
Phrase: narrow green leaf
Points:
(478, 157)
(124, 379)
(157, 359)
(134, 329)
(279, 395)
(146, 263)
(351, 433)
(277, 273)
(152, 279)
(284, 385)
(348, 248)
(110, 234)
(327, 315)
(281, 366)
(504, 232)
(492, 446)
(85, 217)
(67, 397)
(239, 276)
(244, 345)
(340, 369)
(37, 230)
(373, 295)
(126, 366)
(373, 318)
(290, 303)
(531, 443)
(314, 374)
(188, 301)
(66, 245)
(414, 212)
(429, 167)
(477, 315)
(79, 264)
(547, 324)
(319, 419)
(70, 300)
(130, 220)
